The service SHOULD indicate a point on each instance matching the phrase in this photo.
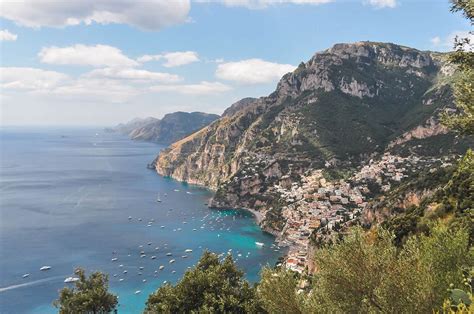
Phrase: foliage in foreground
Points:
(212, 286)
(463, 58)
(89, 295)
(367, 273)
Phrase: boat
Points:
(161, 267)
(259, 244)
(121, 279)
(129, 217)
(169, 254)
(172, 261)
(188, 251)
(71, 279)
(153, 257)
(114, 259)
(138, 291)
(158, 199)
(25, 275)
(45, 268)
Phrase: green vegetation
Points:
(89, 295)
(212, 286)
(463, 120)
(367, 273)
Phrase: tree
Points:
(463, 58)
(89, 295)
(278, 293)
(210, 287)
(367, 273)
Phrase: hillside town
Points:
(318, 207)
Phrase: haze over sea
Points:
(65, 199)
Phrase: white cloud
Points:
(173, 59)
(133, 74)
(382, 3)
(22, 78)
(447, 43)
(5, 35)
(262, 4)
(149, 14)
(435, 40)
(104, 90)
(202, 88)
(98, 55)
(252, 71)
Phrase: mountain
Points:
(354, 120)
(126, 128)
(170, 128)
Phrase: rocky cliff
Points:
(345, 105)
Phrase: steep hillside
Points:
(345, 106)
(172, 127)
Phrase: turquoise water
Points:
(65, 199)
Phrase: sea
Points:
(82, 197)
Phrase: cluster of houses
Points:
(318, 207)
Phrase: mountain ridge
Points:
(347, 105)
(172, 127)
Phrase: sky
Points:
(102, 62)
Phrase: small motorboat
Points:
(153, 257)
(25, 276)
(71, 279)
(44, 268)
(259, 244)
(188, 251)
(114, 259)
(162, 267)
(172, 261)
(138, 292)
(169, 254)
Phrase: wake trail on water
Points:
(31, 283)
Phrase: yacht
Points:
(71, 279)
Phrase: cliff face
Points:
(172, 127)
(343, 106)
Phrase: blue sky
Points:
(102, 62)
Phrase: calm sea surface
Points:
(65, 200)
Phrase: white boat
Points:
(71, 279)
(138, 291)
(259, 244)
(188, 251)
(25, 275)
(45, 268)
(121, 279)
(114, 259)
(161, 267)
(172, 261)
(158, 199)
(153, 257)
(168, 254)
